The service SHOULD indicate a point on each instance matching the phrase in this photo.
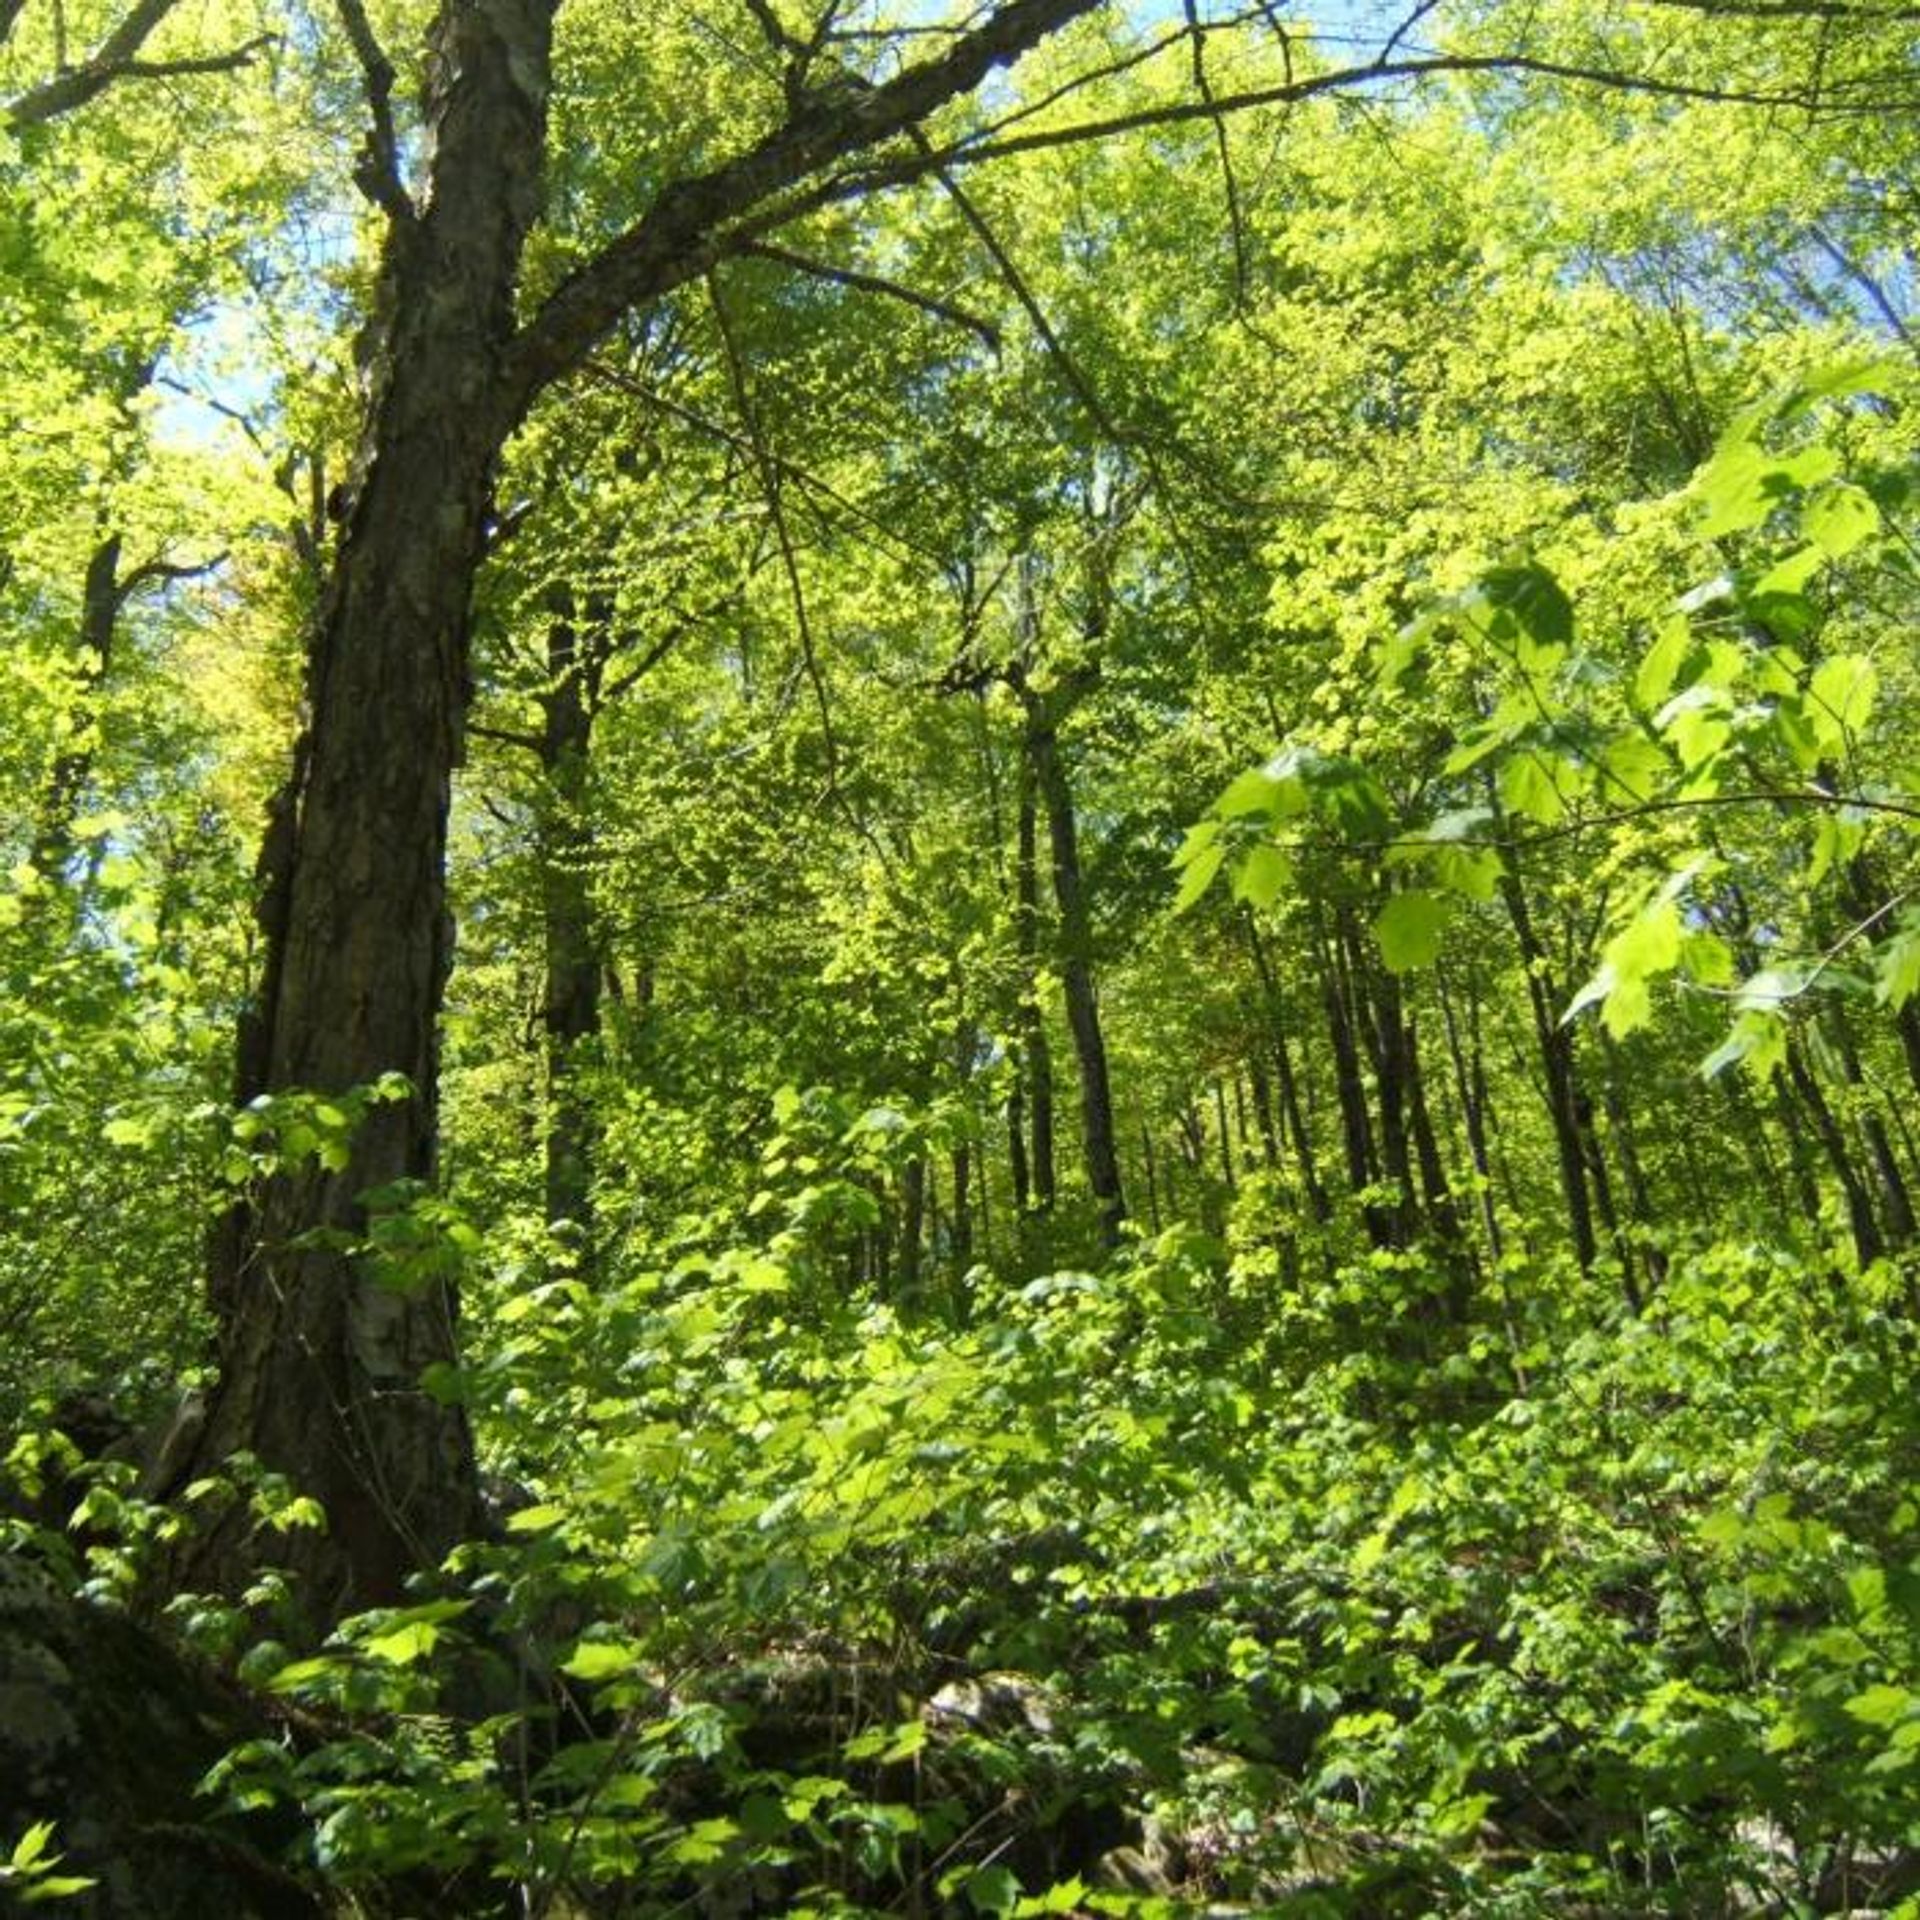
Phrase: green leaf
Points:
(1534, 599)
(992, 1890)
(1646, 947)
(405, 1644)
(33, 1843)
(1672, 642)
(1252, 793)
(1199, 837)
(1896, 967)
(1757, 1042)
(1883, 1705)
(1198, 877)
(1856, 375)
(1790, 576)
(1529, 787)
(1733, 488)
(1409, 927)
(1263, 876)
(594, 1660)
(1841, 696)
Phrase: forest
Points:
(959, 958)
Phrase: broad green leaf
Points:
(412, 1641)
(1198, 877)
(1646, 947)
(1633, 768)
(1199, 837)
(1263, 875)
(1535, 601)
(1733, 489)
(1884, 1705)
(1672, 642)
(1790, 576)
(992, 1890)
(1839, 377)
(1896, 968)
(1252, 793)
(593, 1660)
(1838, 518)
(1530, 788)
(1835, 841)
(1409, 927)
(1757, 1042)
(1841, 696)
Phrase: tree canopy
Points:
(959, 960)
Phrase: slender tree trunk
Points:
(1036, 1056)
(1350, 1086)
(1895, 1203)
(571, 1002)
(1076, 972)
(913, 1209)
(1017, 1173)
(1226, 1141)
(1470, 1084)
(1867, 1243)
(100, 602)
(1380, 1017)
(1291, 1109)
(1564, 1099)
(1261, 1084)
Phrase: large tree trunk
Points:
(322, 1357)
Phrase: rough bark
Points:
(321, 1357)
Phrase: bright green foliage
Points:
(1448, 557)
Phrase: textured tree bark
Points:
(1290, 1105)
(1867, 1243)
(1896, 1205)
(321, 1359)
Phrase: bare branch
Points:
(682, 233)
(876, 283)
(992, 145)
(1204, 87)
(378, 173)
(115, 59)
(789, 554)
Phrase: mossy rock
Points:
(105, 1730)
